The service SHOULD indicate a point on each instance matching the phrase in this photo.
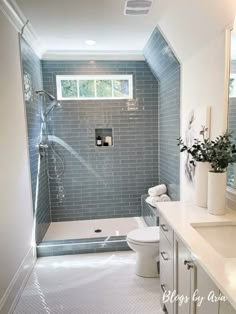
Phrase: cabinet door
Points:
(204, 287)
(166, 271)
(167, 230)
(226, 308)
(183, 277)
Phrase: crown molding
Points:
(16, 17)
(93, 55)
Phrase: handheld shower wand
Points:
(51, 108)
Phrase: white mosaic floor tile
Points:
(102, 283)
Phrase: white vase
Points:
(216, 193)
(201, 183)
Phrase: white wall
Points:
(203, 80)
(196, 32)
(16, 219)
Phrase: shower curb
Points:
(82, 246)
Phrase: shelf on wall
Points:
(106, 136)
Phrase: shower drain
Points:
(98, 230)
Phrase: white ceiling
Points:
(191, 25)
(66, 25)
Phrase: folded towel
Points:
(152, 200)
(165, 198)
(157, 190)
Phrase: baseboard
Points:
(14, 290)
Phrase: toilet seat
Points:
(144, 236)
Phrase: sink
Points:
(221, 236)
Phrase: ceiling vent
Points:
(137, 7)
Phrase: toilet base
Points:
(147, 267)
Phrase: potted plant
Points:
(200, 159)
(222, 152)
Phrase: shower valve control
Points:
(43, 146)
(60, 188)
(43, 149)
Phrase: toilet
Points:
(145, 242)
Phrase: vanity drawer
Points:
(164, 287)
(166, 261)
(166, 230)
(166, 269)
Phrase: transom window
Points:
(71, 87)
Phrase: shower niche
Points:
(104, 137)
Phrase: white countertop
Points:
(221, 270)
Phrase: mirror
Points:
(231, 175)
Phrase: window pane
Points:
(69, 88)
(121, 88)
(87, 88)
(104, 88)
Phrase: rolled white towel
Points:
(157, 190)
(152, 200)
(165, 198)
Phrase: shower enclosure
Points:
(87, 197)
(98, 198)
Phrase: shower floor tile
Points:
(102, 283)
(80, 229)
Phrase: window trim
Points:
(128, 77)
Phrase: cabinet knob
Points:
(165, 256)
(189, 264)
(164, 228)
(163, 288)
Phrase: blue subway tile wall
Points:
(149, 213)
(231, 181)
(102, 182)
(166, 69)
(31, 68)
(81, 246)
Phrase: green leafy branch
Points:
(222, 152)
(219, 153)
(199, 151)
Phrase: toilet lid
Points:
(145, 235)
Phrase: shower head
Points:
(51, 107)
(43, 92)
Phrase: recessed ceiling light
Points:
(90, 42)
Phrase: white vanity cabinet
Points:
(226, 308)
(193, 283)
(166, 262)
(181, 273)
(206, 288)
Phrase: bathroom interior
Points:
(101, 93)
(85, 193)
